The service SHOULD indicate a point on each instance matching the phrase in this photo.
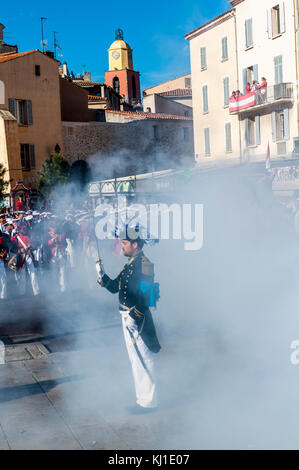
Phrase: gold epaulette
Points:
(147, 267)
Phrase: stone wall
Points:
(118, 149)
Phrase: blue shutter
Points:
(246, 122)
(244, 80)
(286, 134)
(226, 91)
(228, 137)
(207, 141)
(248, 33)
(31, 156)
(29, 112)
(12, 106)
(224, 48)
(255, 72)
(205, 99)
(282, 26)
(274, 129)
(203, 58)
(269, 19)
(257, 130)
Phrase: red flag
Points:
(268, 157)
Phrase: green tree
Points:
(54, 172)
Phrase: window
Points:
(133, 87)
(22, 110)
(205, 101)
(248, 33)
(226, 91)
(186, 113)
(276, 20)
(252, 131)
(116, 84)
(203, 58)
(186, 133)
(156, 132)
(207, 141)
(187, 82)
(37, 70)
(249, 74)
(148, 110)
(27, 156)
(224, 48)
(278, 70)
(228, 137)
(280, 125)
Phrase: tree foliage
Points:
(54, 172)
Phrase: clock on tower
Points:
(121, 76)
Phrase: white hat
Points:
(28, 217)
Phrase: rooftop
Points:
(171, 80)
(177, 92)
(210, 24)
(151, 115)
(6, 56)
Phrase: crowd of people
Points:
(37, 247)
(260, 90)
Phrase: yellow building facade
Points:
(30, 116)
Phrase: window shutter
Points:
(12, 106)
(22, 152)
(244, 80)
(205, 98)
(248, 32)
(269, 17)
(282, 26)
(203, 58)
(224, 48)
(278, 72)
(29, 112)
(286, 135)
(246, 122)
(226, 91)
(31, 156)
(228, 137)
(207, 141)
(255, 72)
(274, 129)
(257, 130)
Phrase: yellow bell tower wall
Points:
(120, 56)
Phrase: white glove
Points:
(100, 269)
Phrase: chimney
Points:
(2, 27)
(87, 76)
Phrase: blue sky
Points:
(154, 29)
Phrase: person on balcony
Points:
(248, 88)
(257, 89)
(233, 96)
(263, 89)
(238, 94)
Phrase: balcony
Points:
(263, 101)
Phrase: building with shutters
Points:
(214, 76)
(30, 116)
(258, 39)
(266, 46)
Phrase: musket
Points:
(99, 261)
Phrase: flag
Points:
(268, 157)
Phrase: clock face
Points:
(115, 55)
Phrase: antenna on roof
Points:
(44, 43)
(56, 46)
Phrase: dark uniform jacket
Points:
(132, 298)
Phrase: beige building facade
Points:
(214, 76)
(30, 116)
(177, 83)
(266, 33)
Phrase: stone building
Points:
(30, 117)
(129, 143)
(171, 97)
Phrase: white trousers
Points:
(3, 288)
(70, 252)
(144, 380)
(59, 265)
(21, 279)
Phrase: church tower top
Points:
(120, 53)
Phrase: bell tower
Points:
(121, 76)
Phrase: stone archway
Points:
(80, 173)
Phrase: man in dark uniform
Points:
(137, 293)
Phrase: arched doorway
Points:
(80, 173)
